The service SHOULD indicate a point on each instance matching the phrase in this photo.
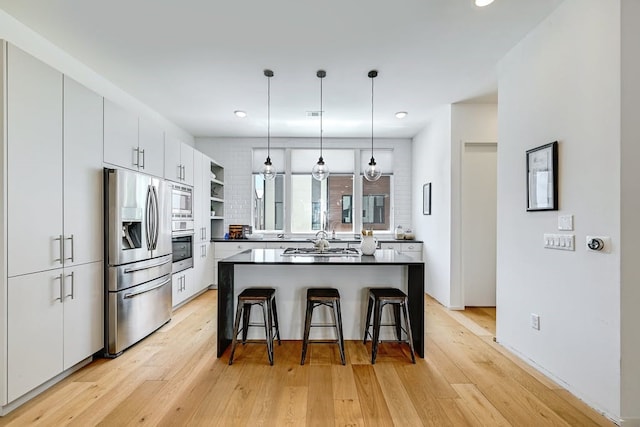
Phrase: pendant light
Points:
(372, 173)
(320, 170)
(268, 171)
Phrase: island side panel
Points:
(225, 306)
(415, 294)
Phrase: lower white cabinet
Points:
(55, 320)
(182, 286)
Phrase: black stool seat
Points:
(329, 297)
(378, 298)
(249, 297)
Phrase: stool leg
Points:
(396, 317)
(266, 312)
(337, 320)
(239, 311)
(275, 318)
(376, 331)
(246, 309)
(368, 321)
(409, 334)
(307, 327)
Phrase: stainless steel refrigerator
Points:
(137, 230)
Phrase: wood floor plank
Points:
(395, 395)
(320, 410)
(128, 411)
(483, 410)
(372, 401)
(292, 410)
(458, 413)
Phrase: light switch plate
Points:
(565, 222)
(564, 242)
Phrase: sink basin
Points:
(317, 252)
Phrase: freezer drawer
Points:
(125, 276)
(136, 312)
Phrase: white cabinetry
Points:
(202, 256)
(216, 201)
(412, 249)
(178, 161)
(55, 321)
(54, 294)
(182, 286)
(131, 142)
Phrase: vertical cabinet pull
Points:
(60, 240)
(141, 154)
(136, 157)
(61, 287)
(73, 283)
(71, 258)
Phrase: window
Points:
(376, 206)
(268, 203)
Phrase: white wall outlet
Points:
(599, 244)
(565, 222)
(535, 321)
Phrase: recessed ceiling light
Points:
(240, 113)
(401, 114)
(482, 3)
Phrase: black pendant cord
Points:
(321, 74)
(372, 159)
(269, 118)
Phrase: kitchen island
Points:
(292, 275)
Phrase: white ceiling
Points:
(196, 61)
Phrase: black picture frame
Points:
(426, 199)
(542, 178)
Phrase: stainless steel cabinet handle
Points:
(135, 294)
(61, 289)
(135, 156)
(71, 258)
(60, 248)
(73, 283)
(141, 164)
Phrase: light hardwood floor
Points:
(173, 378)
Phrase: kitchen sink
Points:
(318, 252)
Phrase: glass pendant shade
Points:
(320, 170)
(268, 171)
(372, 173)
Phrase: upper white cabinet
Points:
(132, 142)
(178, 160)
(34, 156)
(82, 171)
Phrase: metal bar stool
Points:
(249, 297)
(378, 298)
(328, 297)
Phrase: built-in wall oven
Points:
(182, 227)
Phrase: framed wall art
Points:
(542, 178)
(426, 199)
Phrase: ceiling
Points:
(196, 61)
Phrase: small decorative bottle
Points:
(369, 243)
(399, 233)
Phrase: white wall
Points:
(630, 239)
(28, 40)
(235, 154)
(562, 82)
(431, 162)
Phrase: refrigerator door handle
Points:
(146, 267)
(156, 218)
(135, 294)
(147, 222)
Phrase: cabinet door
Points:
(120, 136)
(83, 312)
(82, 174)
(198, 198)
(182, 286)
(151, 145)
(186, 158)
(172, 164)
(34, 336)
(34, 151)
